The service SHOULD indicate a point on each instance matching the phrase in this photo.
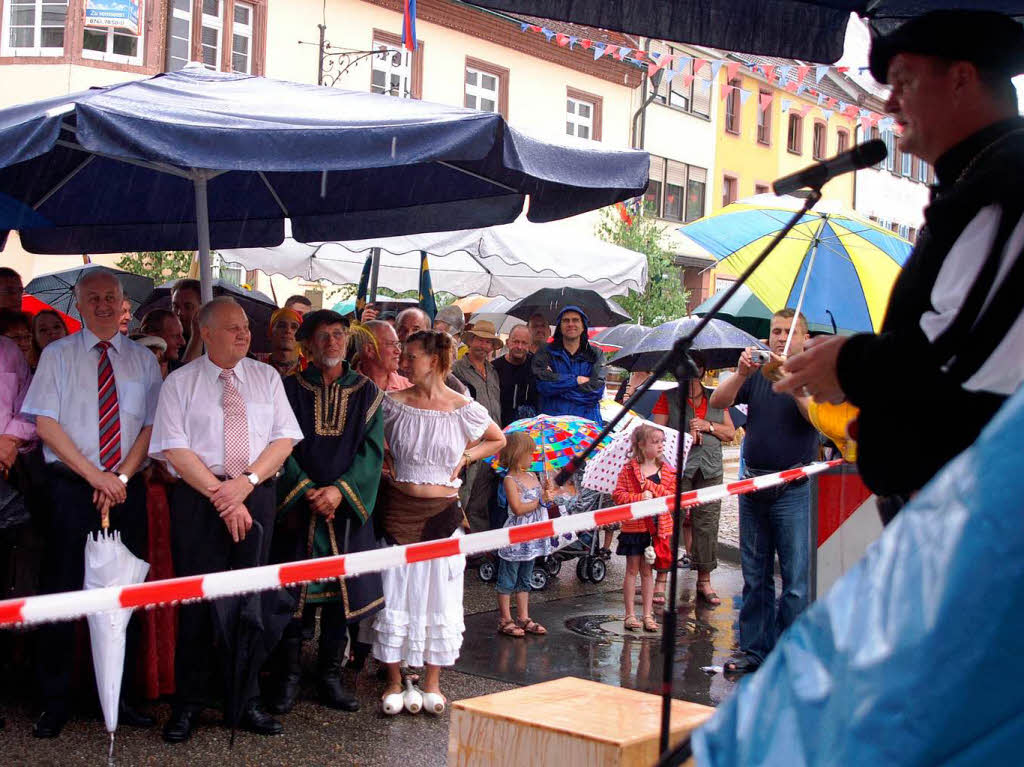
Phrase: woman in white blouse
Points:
(432, 433)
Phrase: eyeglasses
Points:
(393, 344)
(337, 335)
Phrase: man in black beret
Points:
(953, 325)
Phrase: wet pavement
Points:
(585, 639)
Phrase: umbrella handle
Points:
(105, 520)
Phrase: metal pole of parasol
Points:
(678, 361)
(199, 182)
(374, 271)
(803, 288)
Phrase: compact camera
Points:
(760, 356)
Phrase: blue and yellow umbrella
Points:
(855, 261)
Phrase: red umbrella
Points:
(33, 306)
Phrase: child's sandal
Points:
(531, 627)
(510, 628)
(650, 624)
(632, 624)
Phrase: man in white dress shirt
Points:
(93, 400)
(225, 427)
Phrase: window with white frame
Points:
(905, 163)
(890, 145)
(241, 39)
(392, 70)
(212, 33)
(33, 28)
(179, 35)
(483, 90)
(922, 171)
(579, 118)
(112, 45)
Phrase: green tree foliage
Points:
(665, 298)
(161, 265)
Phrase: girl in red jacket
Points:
(645, 476)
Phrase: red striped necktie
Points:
(110, 420)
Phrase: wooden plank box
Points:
(567, 722)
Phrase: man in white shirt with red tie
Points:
(225, 426)
(93, 399)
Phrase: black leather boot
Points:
(289, 676)
(328, 684)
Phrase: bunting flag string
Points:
(791, 78)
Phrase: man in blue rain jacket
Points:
(570, 372)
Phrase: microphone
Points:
(815, 176)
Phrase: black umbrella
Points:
(248, 628)
(257, 306)
(720, 344)
(620, 336)
(58, 289)
(600, 311)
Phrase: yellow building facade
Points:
(765, 132)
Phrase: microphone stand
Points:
(679, 362)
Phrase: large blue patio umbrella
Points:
(199, 160)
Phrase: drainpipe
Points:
(638, 137)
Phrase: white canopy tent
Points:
(510, 260)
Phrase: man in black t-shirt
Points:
(518, 384)
(776, 520)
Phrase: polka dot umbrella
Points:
(556, 439)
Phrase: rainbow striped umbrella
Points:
(556, 439)
(855, 261)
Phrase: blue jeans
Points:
(514, 576)
(773, 520)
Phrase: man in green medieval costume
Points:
(326, 495)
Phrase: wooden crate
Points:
(567, 722)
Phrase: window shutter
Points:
(676, 174)
(657, 169)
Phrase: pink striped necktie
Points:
(236, 427)
(110, 420)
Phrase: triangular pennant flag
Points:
(785, 104)
(586, 44)
(599, 50)
(687, 80)
(792, 87)
(547, 33)
(827, 113)
(669, 74)
(769, 71)
(640, 55)
(705, 86)
(851, 111)
(682, 61)
(801, 73)
(821, 99)
(652, 68)
(865, 125)
(572, 41)
(805, 109)
(716, 66)
(785, 72)
(535, 28)
(744, 95)
(874, 118)
(819, 72)
(842, 106)
(844, 70)
(698, 64)
(523, 26)
(766, 101)
(724, 90)
(886, 123)
(731, 69)
(562, 39)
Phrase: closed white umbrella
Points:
(108, 562)
(509, 260)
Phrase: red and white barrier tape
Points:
(76, 604)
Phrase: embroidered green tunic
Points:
(343, 447)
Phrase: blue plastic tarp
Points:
(340, 164)
(914, 656)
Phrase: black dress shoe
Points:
(179, 727)
(49, 724)
(132, 717)
(256, 719)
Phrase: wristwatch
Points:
(252, 476)
(123, 478)
(711, 427)
(467, 456)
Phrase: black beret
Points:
(317, 319)
(987, 39)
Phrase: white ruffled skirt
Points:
(422, 619)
